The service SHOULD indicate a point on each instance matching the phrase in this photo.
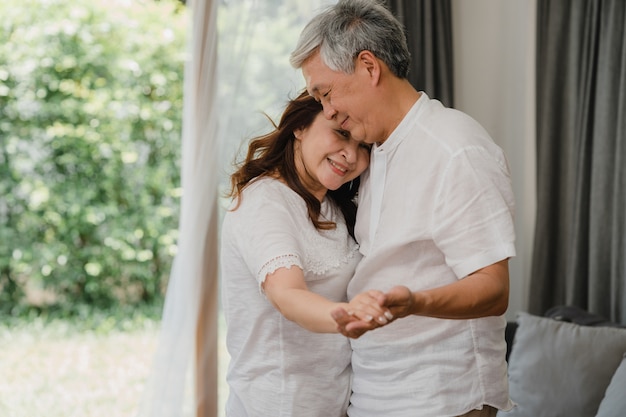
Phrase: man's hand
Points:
(400, 301)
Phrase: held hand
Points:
(367, 306)
(349, 325)
(363, 313)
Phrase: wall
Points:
(494, 59)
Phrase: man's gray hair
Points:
(341, 31)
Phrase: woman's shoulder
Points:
(270, 189)
(265, 193)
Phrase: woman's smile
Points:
(341, 170)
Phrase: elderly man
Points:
(434, 224)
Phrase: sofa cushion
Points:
(614, 402)
(561, 369)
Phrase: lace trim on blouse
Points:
(328, 250)
(283, 261)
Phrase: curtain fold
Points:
(428, 24)
(184, 376)
(579, 255)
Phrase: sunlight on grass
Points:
(55, 370)
(59, 373)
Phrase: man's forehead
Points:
(312, 69)
(313, 84)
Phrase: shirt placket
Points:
(378, 171)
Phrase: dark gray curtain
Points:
(428, 25)
(579, 253)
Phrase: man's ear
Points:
(367, 61)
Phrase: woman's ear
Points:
(297, 133)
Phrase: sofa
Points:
(567, 363)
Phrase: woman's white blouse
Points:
(278, 368)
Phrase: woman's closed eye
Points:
(343, 133)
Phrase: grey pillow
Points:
(560, 369)
(614, 402)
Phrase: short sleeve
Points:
(265, 230)
(474, 208)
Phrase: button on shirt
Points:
(436, 205)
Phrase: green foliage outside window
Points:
(90, 122)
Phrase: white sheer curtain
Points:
(255, 77)
(190, 312)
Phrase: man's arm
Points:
(482, 293)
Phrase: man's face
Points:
(343, 96)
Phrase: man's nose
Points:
(329, 111)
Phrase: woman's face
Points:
(327, 157)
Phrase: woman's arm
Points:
(286, 289)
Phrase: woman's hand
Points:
(363, 313)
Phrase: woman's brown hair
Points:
(272, 155)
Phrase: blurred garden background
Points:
(90, 121)
(91, 97)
